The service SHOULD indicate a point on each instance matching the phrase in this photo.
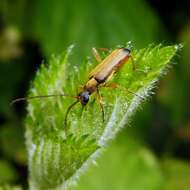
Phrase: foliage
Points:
(58, 152)
(132, 163)
(7, 172)
(30, 31)
(8, 187)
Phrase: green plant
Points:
(58, 156)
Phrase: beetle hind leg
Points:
(115, 85)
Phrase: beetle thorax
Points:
(91, 85)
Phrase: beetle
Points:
(100, 75)
(97, 78)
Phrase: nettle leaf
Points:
(59, 153)
(9, 187)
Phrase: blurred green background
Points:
(154, 151)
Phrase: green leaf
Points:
(127, 164)
(7, 172)
(97, 23)
(8, 187)
(12, 142)
(177, 174)
(58, 153)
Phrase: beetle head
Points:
(84, 97)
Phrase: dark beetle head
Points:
(84, 97)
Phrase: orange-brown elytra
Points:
(98, 77)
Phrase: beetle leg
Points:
(103, 49)
(100, 102)
(96, 55)
(111, 85)
(115, 85)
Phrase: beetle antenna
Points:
(38, 97)
(68, 111)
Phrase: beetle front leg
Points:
(100, 102)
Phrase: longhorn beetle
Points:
(98, 77)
